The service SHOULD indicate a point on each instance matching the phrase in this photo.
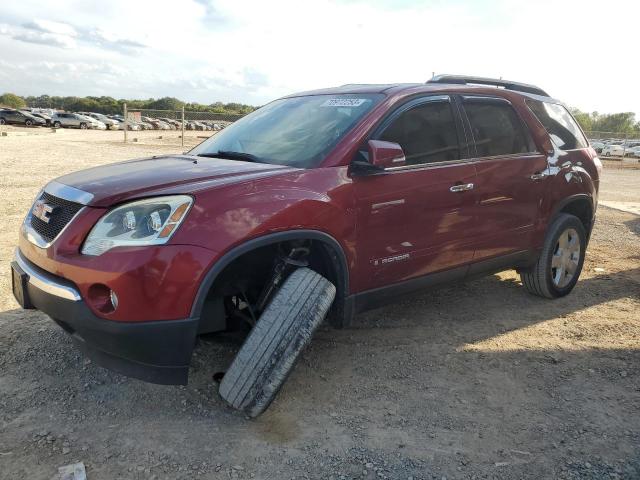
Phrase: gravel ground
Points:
(476, 381)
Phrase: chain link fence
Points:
(595, 135)
(173, 124)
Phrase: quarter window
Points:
(496, 128)
(427, 133)
(559, 123)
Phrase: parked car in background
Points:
(17, 117)
(175, 124)
(70, 120)
(632, 152)
(131, 125)
(110, 123)
(156, 123)
(323, 203)
(44, 116)
(597, 146)
(94, 124)
(613, 150)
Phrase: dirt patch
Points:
(479, 381)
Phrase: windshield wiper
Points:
(230, 155)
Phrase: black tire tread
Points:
(269, 353)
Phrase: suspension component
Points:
(283, 266)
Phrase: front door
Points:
(410, 222)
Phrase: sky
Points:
(581, 52)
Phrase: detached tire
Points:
(558, 268)
(269, 353)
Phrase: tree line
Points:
(110, 105)
(618, 123)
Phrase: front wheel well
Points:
(242, 276)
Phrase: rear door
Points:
(409, 221)
(12, 116)
(511, 177)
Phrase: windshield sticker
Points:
(344, 102)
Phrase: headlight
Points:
(144, 222)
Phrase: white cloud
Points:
(47, 26)
(46, 32)
(254, 51)
(42, 38)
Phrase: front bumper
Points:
(154, 351)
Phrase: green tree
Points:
(110, 105)
(166, 103)
(12, 100)
(584, 119)
(616, 122)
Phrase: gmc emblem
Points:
(42, 210)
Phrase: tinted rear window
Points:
(559, 123)
(497, 129)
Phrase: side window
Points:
(427, 133)
(559, 123)
(496, 127)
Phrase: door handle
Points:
(461, 188)
(538, 176)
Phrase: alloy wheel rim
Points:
(566, 257)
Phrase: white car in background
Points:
(613, 150)
(95, 124)
(110, 123)
(633, 151)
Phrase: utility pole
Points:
(126, 123)
(183, 125)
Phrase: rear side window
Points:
(497, 129)
(427, 133)
(559, 123)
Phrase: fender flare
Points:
(570, 199)
(338, 257)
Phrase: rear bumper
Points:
(154, 351)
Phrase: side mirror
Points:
(385, 154)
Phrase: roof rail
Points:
(509, 85)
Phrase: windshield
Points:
(298, 131)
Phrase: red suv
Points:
(320, 204)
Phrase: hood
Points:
(110, 184)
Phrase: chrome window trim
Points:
(45, 281)
(426, 166)
(508, 156)
(463, 161)
(66, 192)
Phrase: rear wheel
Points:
(269, 353)
(2, 121)
(83, 126)
(557, 269)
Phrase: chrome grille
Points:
(63, 212)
